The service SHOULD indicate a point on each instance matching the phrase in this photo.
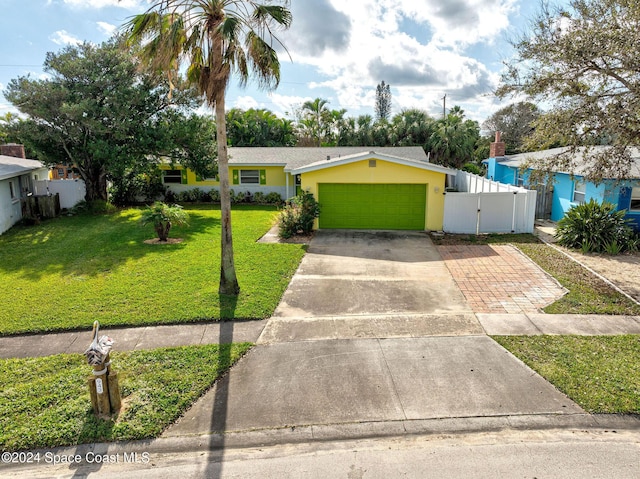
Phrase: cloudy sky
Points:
(340, 49)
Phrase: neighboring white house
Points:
(17, 176)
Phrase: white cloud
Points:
(62, 37)
(245, 103)
(416, 46)
(107, 28)
(285, 105)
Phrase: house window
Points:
(12, 190)
(579, 191)
(519, 178)
(172, 176)
(249, 177)
(635, 199)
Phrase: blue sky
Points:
(340, 49)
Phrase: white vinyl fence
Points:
(71, 192)
(483, 206)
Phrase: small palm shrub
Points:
(298, 215)
(162, 216)
(595, 228)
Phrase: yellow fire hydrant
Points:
(103, 384)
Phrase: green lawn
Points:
(588, 294)
(65, 273)
(600, 373)
(44, 402)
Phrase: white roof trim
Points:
(372, 155)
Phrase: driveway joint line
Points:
(393, 381)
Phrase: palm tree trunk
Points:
(228, 280)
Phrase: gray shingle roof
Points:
(292, 157)
(11, 167)
(580, 161)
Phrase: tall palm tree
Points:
(314, 119)
(214, 38)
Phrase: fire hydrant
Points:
(103, 384)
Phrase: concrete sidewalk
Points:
(279, 330)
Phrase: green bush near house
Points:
(67, 272)
(596, 228)
(298, 215)
(196, 195)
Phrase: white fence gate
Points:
(484, 206)
(71, 192)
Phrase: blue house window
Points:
(579, 191)
(635, 199)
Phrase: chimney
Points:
(497, 148)
(12, 149)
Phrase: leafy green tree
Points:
(99, 113)
(582, 58)
(515, 122)
(258, 128)
(215, 38)
(383, 101)
(7, 123)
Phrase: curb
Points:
(353, 431)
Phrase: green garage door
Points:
(372, 206)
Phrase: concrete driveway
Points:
(372, 330)
(359, 272)
(365, 284)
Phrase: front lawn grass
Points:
(65, 273)
(587, 294)
(44, 402)
(599, 373)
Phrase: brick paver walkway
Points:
(499, 278)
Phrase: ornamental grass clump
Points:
(162, 216)
(596, 228)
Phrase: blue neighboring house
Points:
(569, 189)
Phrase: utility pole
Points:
(444, 106)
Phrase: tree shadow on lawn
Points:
(220, 409)
(88, 246)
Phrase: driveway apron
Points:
(371, 329)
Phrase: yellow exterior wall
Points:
(384, 172)
(275, 175)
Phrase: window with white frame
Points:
(635, 199)
(249, 177)
(579, 191)
(12, 190)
